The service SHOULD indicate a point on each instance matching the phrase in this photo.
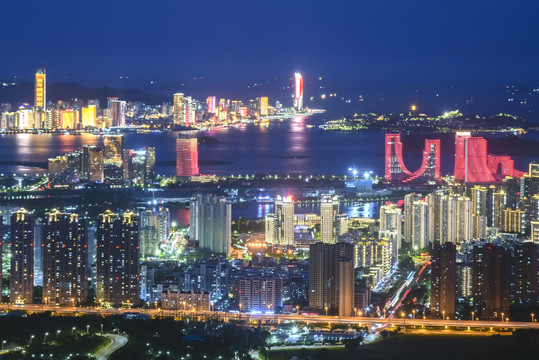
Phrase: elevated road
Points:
(279, 318)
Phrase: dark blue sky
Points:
(237, 42)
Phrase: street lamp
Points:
(355, 312)
(326, 311)
(31, 337)
(473, 315)
(3, 342)
(58, 333)
(87, 329)
(443, 315)
(413, 312)
(101, 328)
(502, 316)
(404, 322)
(297, 309)
(533, 315)
(72, 331)
(45, 337)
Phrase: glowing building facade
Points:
(187, 156)
(298, 92)
(22, 258)
(395, 169)
(40, 100)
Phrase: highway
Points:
(282, 317)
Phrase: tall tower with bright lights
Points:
(40, 90)
(298, 92)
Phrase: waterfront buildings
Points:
(117, 112)
(186, 157)
(117, 258)
(210, 223)
(65, 259)
(112, 159)
(443, 280)
(329, 210)
(298, 92)
(22, 258)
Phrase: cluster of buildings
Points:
(72, 115)
(78, 114)
(112, 165)
(77, 263)
(473, 163)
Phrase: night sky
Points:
(237, 42)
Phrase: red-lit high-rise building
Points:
(186, 156)
(298, 92)
(396, 171)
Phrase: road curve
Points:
(118, 342)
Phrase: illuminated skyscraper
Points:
(525, 283)
(391, 226)
(65, 259)
(113, 159)
(331, 278)
(499, 203)
(92, 163)
(40, 91)
(491, 281)
(210, 102)
(22, 258)
(154, 230)
(186, 156)
(263, 106)
(455, 219)
(298, 92)
(479, 211)
(329, 209)
(118, 112)
(118, 254)
(89, 115)
(284, 220)
(210, 223)
(444, 280)
(179, 109)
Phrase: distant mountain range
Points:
(23, 92)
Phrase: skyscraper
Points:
(491, 281)
(89, 115)
(210, 102)
(117, 258)
(154, 230)
(40, 91)
(263, 106)
(118, 112)
(186, 156)
(331, 272)
(65, 259)
(179, 109)
(525, 270)
(113, 159)
(92, 163)
(443, 280)
(263, 294)
(329, 209)
(284, 220)
(211, 222)
(479, 211)
(22, 258)
(298, 92)
(391, 225)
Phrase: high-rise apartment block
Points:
(491, 281)
(210, 223)
(187, 156)
(117, 258)
(22, 258)
(65, 259)
(443, 280)
(331, 277)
